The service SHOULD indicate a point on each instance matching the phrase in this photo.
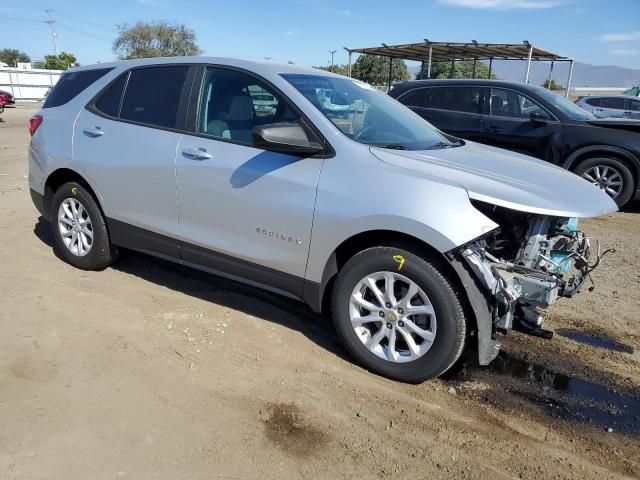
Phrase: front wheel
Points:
(398, 314)
(610, 175)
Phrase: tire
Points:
(100, 253)
(448, 322)
(616, 171)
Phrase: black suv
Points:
(534, 121)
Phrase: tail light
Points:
(34, 123)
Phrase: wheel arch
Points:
(584, 153)
(318, 295)
(59, 177)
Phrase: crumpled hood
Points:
(507, 179)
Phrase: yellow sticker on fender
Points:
(74, 190)
(399, 259)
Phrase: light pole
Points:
(332, 52)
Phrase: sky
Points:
(304, 31)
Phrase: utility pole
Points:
(332, 52)
(52, 24)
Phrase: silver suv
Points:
(419, 244)
(611, 107)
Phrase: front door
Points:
(243, 210)
(516, 122)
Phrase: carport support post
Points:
(569, 79)
(550, 75)
(526, 75)
(349, 63)
(473, 74)
(490, 66)
(429, 65)
(452, 73)
(390, 69)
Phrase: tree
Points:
(339, 69)
(374, 69)
(62, 61)
(12, 56)
(463, 69)
(154, 39)
(553, 85)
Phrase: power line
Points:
(52, 24)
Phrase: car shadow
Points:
(259, 166)
(223, 292)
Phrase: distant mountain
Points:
(584, 75)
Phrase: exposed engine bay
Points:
(526, 264)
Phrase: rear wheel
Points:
(398, 314)
(79, 228)
(610, 175)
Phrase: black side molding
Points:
(127, 236)
(38, 201)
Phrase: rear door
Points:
(243, 210)
(610, 107)
(454, 110)
(510, 125)
(126, 142)
(632, 109)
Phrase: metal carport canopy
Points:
(429, 52)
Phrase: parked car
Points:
(611, 106)
(419, 244)
(6, 100)
(534, 121)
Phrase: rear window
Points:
(459, 99)
(153, 95)
(71, 84)
(415, 98)
(109, 101)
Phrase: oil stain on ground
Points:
(286, 427)
(558, 395)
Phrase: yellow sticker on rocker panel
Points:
(399, 259)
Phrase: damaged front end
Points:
(519, 269)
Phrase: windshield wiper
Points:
(391, 146)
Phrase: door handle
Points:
(93, 132)
(493, 129)
(196, 153)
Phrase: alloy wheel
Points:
(75, 227)
(606, 178)
(392, 316)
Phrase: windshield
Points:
(567, 107)
(367, 115)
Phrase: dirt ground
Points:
(151, 371)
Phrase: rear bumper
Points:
(38, 201)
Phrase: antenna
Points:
(52, 24)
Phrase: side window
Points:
(109, 101)
(633, 105)
(594, 102)
(233, 103)
(507, 103)
(153, 95)
(459, 99)
(414, 98)
(71, 84)
(613, 102)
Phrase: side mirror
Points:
(284, 138)
(540, 117)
